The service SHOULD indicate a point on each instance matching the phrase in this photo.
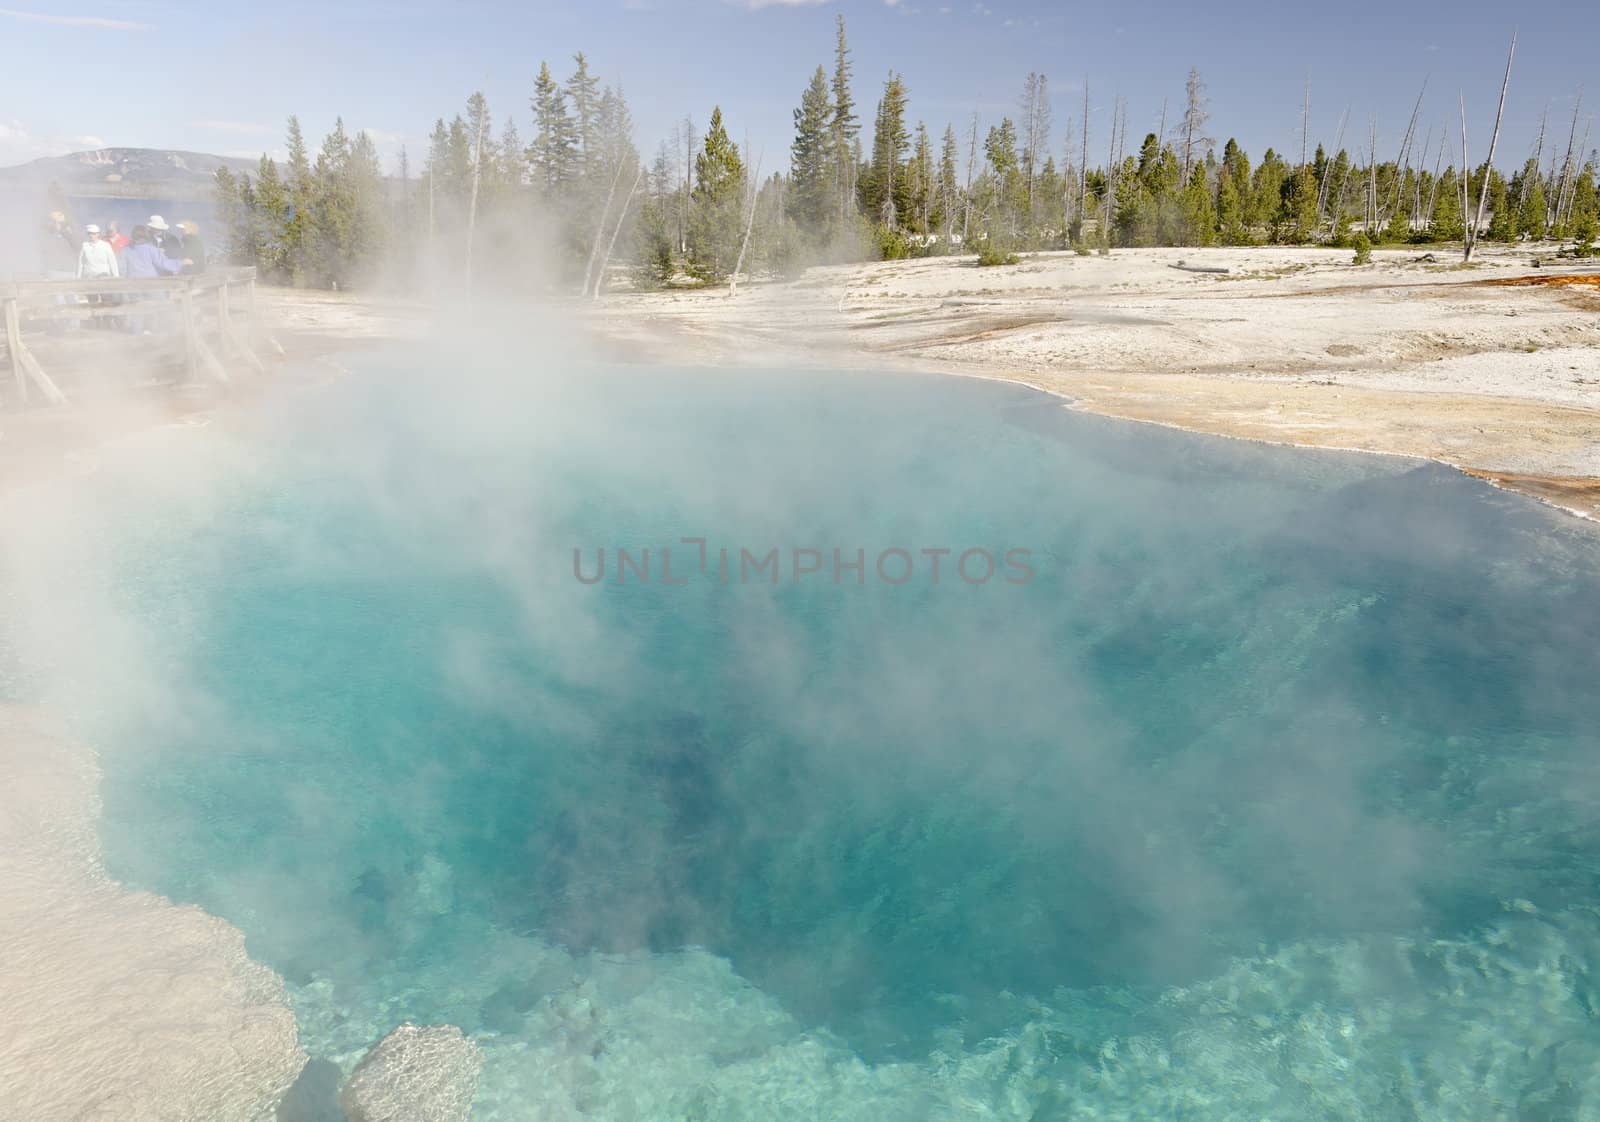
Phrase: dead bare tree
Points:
(1572, 193)
(1370, 218)
(1083, 163)
(1195, 116)
(688, 184)
(1403, 158)
(1466, 181)
(1433, 188)
(1338, 146)
(1036, 128)
(622, 215)
(1305, 121)
(1069, 177)
(600, 229)
(972, 161)
(749, 225)
(1416, 182)
(1567, 169)
(1488, 166)
(1119, 125)
(477, 178)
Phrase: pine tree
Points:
(1230, 213)
(1199, 213)
(365, 253)
(846, 126)
(1264, 204)
(949, 185)
(1584, 223)
(1233, 194)
(334, 214)
(274, 209)
(552, 155)
(920, 182)
(811, 183)
(583, 94)
(1297, 215)
(884, 193)
(297, 233)
(1531, 205)
(715, 229)
(1000, 149)
(1134, 218)
(512, 173)
(1447, 224)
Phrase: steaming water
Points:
(1272, 795)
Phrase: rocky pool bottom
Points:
(1271, 794)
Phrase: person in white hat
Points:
(96, 259)
(170, 241)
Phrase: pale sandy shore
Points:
(1296, 346)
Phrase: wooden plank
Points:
(228, 333)
(208, 358)
(191, 338)
(36, 372)
(23, 362)
(49, 292)
(246, 352)
(224, 321)
(69, 312)
(14, 349)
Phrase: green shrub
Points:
(1363, 247)
(993, 253)
(892, 245)
(1583, 235)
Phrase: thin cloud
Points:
(757, 5)
(100, 22)
(248, 128)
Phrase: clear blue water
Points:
(1272, 795)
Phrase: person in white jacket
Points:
(97, 261)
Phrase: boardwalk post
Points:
(255, 322)
(224, 320)
(14, 349)
(191, 338)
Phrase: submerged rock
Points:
(314, 1096)
(506, 1009)
(418, 1073)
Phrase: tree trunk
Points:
(1494, 140)
(750, 224)
(599, 280)
(600, 228)
(472, 205)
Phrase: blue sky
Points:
(222, 76)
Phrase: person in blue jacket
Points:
(144, 260)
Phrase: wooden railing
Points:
(202, 312)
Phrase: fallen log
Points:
(1199, 268)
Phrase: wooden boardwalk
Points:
(192, 329)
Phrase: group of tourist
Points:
(152, 249)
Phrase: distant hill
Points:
(154, 173)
